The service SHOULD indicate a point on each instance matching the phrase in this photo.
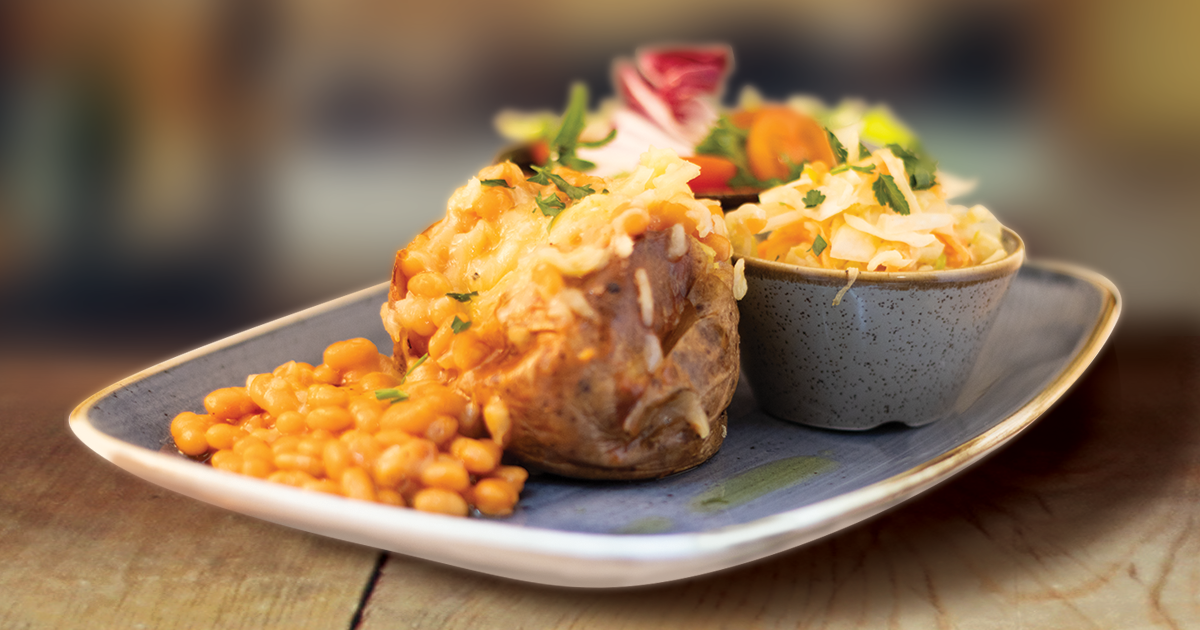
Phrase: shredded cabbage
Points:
(854, 229)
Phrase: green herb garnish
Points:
(888, 194)
(495, 182)
(550, 206)
(459, 325)
(391, 394)
(863, 151)
(922, 171)
(545, 177)
(596, 144)
(839, 150)
(727, 140)
(819, 245)
(814, 198)
(870, 168)
(424, 357)
(463, 297)
(574, 120)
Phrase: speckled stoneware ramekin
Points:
(898, 347)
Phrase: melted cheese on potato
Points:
(504, 232)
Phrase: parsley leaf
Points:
(424, 357)
(596, 144)
(839, 150)
(391, 394)
(495, 182)
(459, 325)
(814, 198)
(727, 140)
(551, 205)
(888, 194)
(922, 171)
(463, 297)
(819, 245)
(562, 146)
(863, 151)
(544, 176)
(870, 168)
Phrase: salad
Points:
(841, 187)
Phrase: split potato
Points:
(590, 323)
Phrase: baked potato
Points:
(591, 323)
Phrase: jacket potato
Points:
(591, 323)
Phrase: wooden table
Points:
(1087, 521)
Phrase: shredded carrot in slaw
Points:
(851, 229)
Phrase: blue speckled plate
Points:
(773, 486)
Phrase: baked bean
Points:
(446, 472)
(390, 497)
(497, 420)
(290, 423)
(494, 496)
(366, 411)
(326, 374)
(295, 478)
(324, 429)
(222, 436)
(336, 458)
(514, 475)
(479, 456)
(274, 394)
(286, 444)
(226, 460)
(412, 416)
(324, 395)
(443, 429)
(298, 373)
(351, 353)
(255, 467)
(357, 484)
(266, 435)
(440, 501)
(364, 449)
(391, 438)
(378, 380)
(330, 418)
(189, 429)
(230, 402)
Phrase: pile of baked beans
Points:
(355, 427)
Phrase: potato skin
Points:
(583, 399)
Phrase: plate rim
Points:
(543, 555)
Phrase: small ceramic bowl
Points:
(897, 348)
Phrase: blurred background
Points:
(174, 171)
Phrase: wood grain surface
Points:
(1087, 521)
(85, 544)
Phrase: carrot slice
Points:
(781, 137)
(715, 173)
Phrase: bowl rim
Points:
(987, 271)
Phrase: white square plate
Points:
(773, 486)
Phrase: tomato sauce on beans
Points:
(354, 426)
